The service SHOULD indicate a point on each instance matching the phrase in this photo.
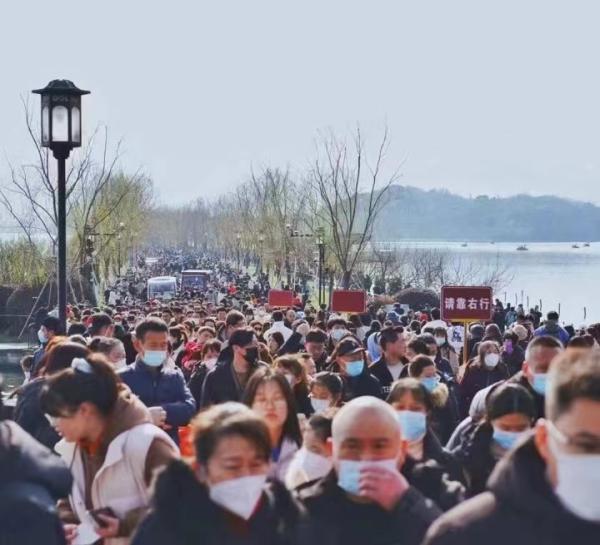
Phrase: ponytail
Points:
(91, 379)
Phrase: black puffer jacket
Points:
(32, 479)
(29, 415)
(474, 455)
(334, 519)
(183, 514)
(519, 509)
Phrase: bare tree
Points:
(347, 196)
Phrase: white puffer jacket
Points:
(119, 483)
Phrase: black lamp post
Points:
(238, 237)
(61, 132)
(321, 246)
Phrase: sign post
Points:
(280, 298)
(354, 301)
(466, 304)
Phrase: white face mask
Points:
(290, 378)
(440, 341)
(319, 405)
(121, 364)
(314, 465)
(578, 485)
(211, 363)
(491, 360)
(349, 472)
(240, 496)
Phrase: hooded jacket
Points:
(32, 480)
(184, 514)
(520, 508)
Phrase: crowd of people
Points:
(213, 418)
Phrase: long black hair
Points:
(291, 426)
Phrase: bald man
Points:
(365, 499)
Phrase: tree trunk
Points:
(346, 280)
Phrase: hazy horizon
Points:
(495, 99)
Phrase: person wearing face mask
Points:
(228, 497)
(337, 329)
(207, 360)
(547, 489)
(510, 412)
(533, 375)
(112, 348)
(228, 379)
(49, 329)
(445, 349)
(293, 371)
(160, 387)
(313, 460)
(427, 466)
(442, 364)
(270, 396)
(481, 372)
(365, 498)
(512, 354)
(178, 338)
(326, 391)
(349, 360)
(444, 413)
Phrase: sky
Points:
(479, 96)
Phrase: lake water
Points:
(553, 272)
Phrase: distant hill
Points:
(413, 213)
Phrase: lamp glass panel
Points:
(75, 125)
(45, 125)
(60, 124)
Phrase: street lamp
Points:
(61, 132)
(119, 237)
(261, 241)
(238, 236)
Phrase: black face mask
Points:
(251, 355)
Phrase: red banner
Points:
(349, 301)
(466, 303)
(281, 298)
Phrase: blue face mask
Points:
(349, 472)
(155, 358)
(506, 439)
(41, 337)
(355, 368)
(413, 424)
(539, 383)
(430, 383)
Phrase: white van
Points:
(162, 287)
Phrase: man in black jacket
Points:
(315, 346)
(365, 499)
(350, 362)
(547, 491)
(392, 364)
(227, 381)
(32, 480)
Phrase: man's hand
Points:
(382, 486)
(159, 415)
(70, 532)
(111, 526)
(303, 329)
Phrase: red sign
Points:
(466, 303)
(349, 301)
(281, 298)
